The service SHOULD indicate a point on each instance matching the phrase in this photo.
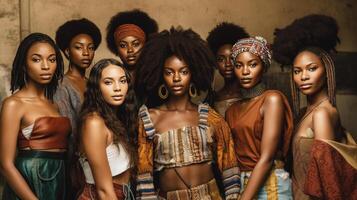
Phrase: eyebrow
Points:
(81, 43)
(110, 77)
(39, 55)
(181, 68)
(308, 65)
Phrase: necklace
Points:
(253, 92)
(312, 108)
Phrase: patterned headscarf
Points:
(256, 45)
(129, 30)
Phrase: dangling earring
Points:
(192, 91)
(163, 92)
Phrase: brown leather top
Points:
(247, 130)
(47, 133)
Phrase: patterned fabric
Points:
(211, 128)
(329, 176)
(208, 191)
(256, 45)
(276, 187)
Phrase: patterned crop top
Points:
(192, 143)
(210, 141)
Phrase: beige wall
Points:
(259, 17)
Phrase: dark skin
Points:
(310, 77)
(178, 112)
(225, 67)
(80, 53)
(22, 109)
(249, 70)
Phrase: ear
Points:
(66, 52)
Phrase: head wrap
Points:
(129, 30)
(256, 45)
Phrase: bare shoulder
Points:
(325, 113)
(93, 121)
(274, 98)
(155, 114)
(12, 103)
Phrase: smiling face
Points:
(223, 58)
(41, 63)
(248, 69)
(177, 76)
(129, 49)
(309, 73)
(81, 51)
(113, 85)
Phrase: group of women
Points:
(132, 129)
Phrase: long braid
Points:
(330, 74)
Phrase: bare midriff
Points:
(123, 178)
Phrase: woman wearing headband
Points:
(220, 40)
(261, 124)
(127, 33)
(324, 154)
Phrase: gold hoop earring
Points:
(163, 92)
(192, 91)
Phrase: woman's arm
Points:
(273, 111)
(322, 124)
(94, 143)
(10, 121)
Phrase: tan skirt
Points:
(207, 191)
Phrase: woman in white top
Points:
(106, 152)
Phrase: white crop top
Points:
(118, 162)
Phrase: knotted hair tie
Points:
(125, 30)
(256, 45)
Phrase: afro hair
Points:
(137, 17)
(225, 33)
(186, 45)
(310, 31)
(72, 28)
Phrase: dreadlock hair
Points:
(19, 74)
(137, 17)
(311, 30)
(187, 46)
(330, 78)
(225, 33)
(123, 122)
(66, 32)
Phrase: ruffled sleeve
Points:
(225, 154)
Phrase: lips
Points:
(305, 86)
(245, 80)
(177, 87)
(131, 58)
(117, 97)
(85, 61)
(46, 76)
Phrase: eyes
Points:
(168, 72)
(80, 47)
(310, 69)
(110, 81)
(38, 59)
(251, 65)
(134, 44)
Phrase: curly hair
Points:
(66, 32)
(186, 45)
(137, 17)
(19, 67)
(225, 33)
(312, 30)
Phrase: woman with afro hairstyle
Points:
(33, 135)
(220, 40)
(179, 142)
(261, 123)
(107, 120)
(324, 154)
(78, 39)
(127, 32)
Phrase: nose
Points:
(246, 70)
(130, 49)
(85, 52)
(304, 75)
(45, 65)
(117, 87)
(177, 77)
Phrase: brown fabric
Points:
(208, 191)
(329, 176)
(301, 155)
(247, 129)
(125, 30)
(47, 133)
(90, 193)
